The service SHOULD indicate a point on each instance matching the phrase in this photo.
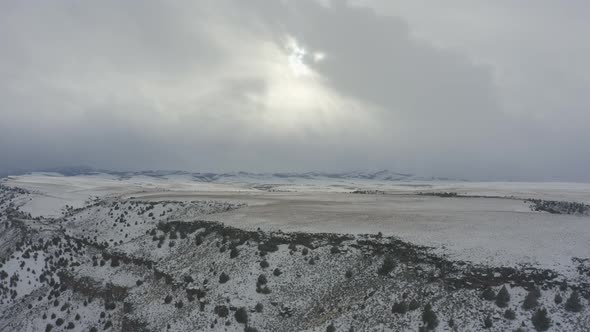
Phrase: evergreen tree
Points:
(530, 301)
(488, 294)
(573, 303)
(429, 317)
(540, 320)
(503, 298)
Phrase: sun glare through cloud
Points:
(296, 58)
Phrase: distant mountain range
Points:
(280, 177)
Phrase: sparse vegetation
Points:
(573, 303)
(541, 320)
(503, 297)
(387, 266)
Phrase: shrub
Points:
(429, 317)
(334, 250)
(487, 322)
(261, 280)
(221, 311)
(168, 299)
(115, 262)
(59, 322)
(264, 264)
(399, 308)
(277, 272)
(70, 326)
(530, 301)
(223, 278)
(540, 320)
(263, 290)
(48, 328)
(573, 303)
(250, 329)
(451, 323)
(311, 261)
(503, 298)
(259, 307)
(331, 328)
(348, 274)
(305, 251)
(234, 253)
(509, 314)
(241, 315)
(198, 240)
(488, 294)
(558, 299)
(387, 266)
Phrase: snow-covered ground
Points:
(110, 259)
(491, 230)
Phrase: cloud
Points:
(257, 85)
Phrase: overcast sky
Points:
(488, 90)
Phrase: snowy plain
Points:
(494, 225)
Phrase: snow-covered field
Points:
(499, 229)
(479, 234)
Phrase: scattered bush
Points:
(540, 320)
(234, 253)
(261, 280)
(531, 300)
(573, 303)
(241, 315)
(223, 278)
(509, 314)
(429, 317)
(451, 323)
(503, 298)
(399, 308)
(259, 307)
(387, 266)
(488, 294)
(221, 311)
(263, 290)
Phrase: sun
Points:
(296, 57)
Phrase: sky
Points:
(480, 90)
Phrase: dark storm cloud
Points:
(208, 86)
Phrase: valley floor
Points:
(157, 254)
